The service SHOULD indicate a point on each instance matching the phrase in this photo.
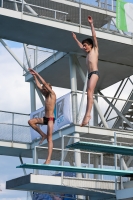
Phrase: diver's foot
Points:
(85, 120)
(47, 162)
(42, 139)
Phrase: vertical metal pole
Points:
(100, 113)
(1, 3)
(99, 3)
(73, 80)
(80, 16)
(12, 127)
(35, 159)
(82, 98)
(35, 57)
(27, 56)
(112, 5)
(95, 113)
(122, 124)
(55, 14)
(96, 162)
(15, 6)
(101, 165)
(115, 143)
(22, 9)
(106, 4)
(89, 162)
(32, 96)
(62, 157)
(121, 185)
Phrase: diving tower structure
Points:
(48, 24)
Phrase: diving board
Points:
(110, 172)
(107, 148)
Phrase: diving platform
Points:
(12, 148)
(37, 29)
(106, 148)
(41, 183)
(110, 172)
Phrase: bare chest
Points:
(91, 58)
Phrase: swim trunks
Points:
(94, 72)
(45, 120)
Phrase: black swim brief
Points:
(94, 72)
(45, 120)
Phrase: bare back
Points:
(92, 60)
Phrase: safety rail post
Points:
(1, 3)
(106, 4)
(12, 127)
(62, 157)
(115, 143)
(22, 8)
(121, 167)
(55, 14)
(112, 5)
(89, 161)
(101, 164)
(79, 16)
(35, 159)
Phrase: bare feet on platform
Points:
(47, 162)
(85, 120)
(42, 139)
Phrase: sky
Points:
(15, 97)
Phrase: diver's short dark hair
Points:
(88, 41)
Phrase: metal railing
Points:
(36, 55)
(65, 12)
(14, 127)
(67, 157)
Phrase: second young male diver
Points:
(90, 46)
(49, 103)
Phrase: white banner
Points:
(62, 113)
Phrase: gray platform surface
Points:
(71, 185)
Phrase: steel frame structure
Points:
(74, 65)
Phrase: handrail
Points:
(37, 6)
(14, 112)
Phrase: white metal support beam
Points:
(27, 55)
(23, 66)
(82, 98)
(73, 80)
(35, 159)
(129, 161)
(32, 84)
(116, 110)
(32, 96)
(100, 114)
(29, 8)
(13, 55)
(80, 70)
(15, 6)
(95, 113)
